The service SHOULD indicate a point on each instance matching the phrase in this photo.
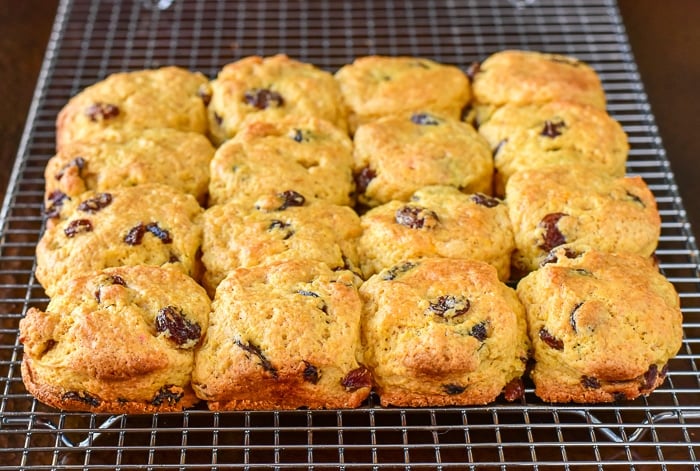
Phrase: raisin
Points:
(81, 396)
(635, 198)
(48, 346)
(479, 331)
(649, 378)
(310, 373)
(552, 237)
(254, 350)
(550, 258)
(397, 270)
(110, 280)
(363, 178)
(424, 119)
(499, 146)
(92, 205)
(168, 394)
(415, 217)
(357, 378)
(263, 98)
(323, 307)
(473, 69)
(449, 307)
(101, 111)
(171, 321)
(288, 235)
(453, 389)
(218, 118)
(590, 382)
(483, 200)
(173, 258)
(664, 370)
(78, 226)
(553, 258)
(551, 340)
(135, 234)
(57, 198)
(572, 316)
(276, 224)
(552, 129)
(77, 162)
(514, 390)
(299, 135)
(162, 234)
(290, 198)
(117, 280)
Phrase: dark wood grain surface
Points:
(25, 27)
(664, 36)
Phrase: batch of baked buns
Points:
(282, 237)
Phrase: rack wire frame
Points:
(92, 39)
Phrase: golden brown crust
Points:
(603, 326)
(526, 137)
(527, 77)
(442, 332)
(438, 221)
(283, 335)
(377, 86)
(156, 98)
(553, 388)
(118, 340)
(400, 154)
(268, 89)
(143, 225)
(303, 154)
(574, 205)
(236, 236)
(432, 326)
(129, 158)
(63, 399)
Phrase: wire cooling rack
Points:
(94, 38)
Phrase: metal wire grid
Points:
(94, 38)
